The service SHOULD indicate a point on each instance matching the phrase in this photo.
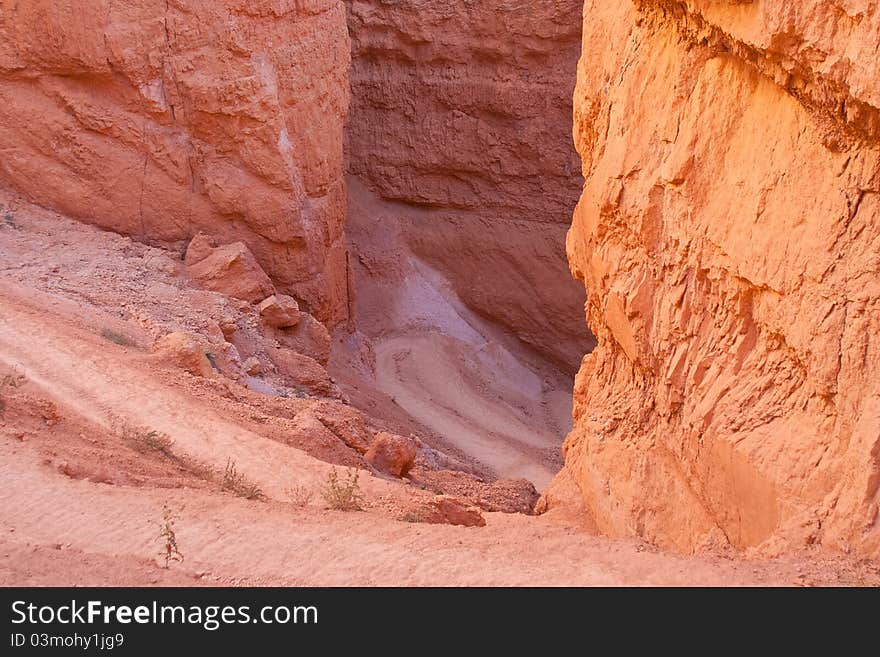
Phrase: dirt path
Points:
(48, 520)
(227, 540)
(99, 381)
(500, 417)
(62, 525)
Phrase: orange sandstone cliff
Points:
(159, 118)
(461, 112)
(729, 239)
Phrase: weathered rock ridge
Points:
(159, 118)
(729, 239)
(462, 111)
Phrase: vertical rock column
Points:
(729, 239)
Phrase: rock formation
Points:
(462, 111)
(729, 239)
(392, 454)
(158, 118)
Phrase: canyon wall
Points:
(729, 239)
(461, 112)
(159, 118)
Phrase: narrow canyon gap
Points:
(462, 180)
(461, 116)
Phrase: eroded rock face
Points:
(461, 111)
(157, 118)
(729, 239)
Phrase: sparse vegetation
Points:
(300, 496)
(170, 551)
(117, 338)
(13, 379)
(146, 441)
(343, 495)
(8, 218)
(411, 516)
(236, 483)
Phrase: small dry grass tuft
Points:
(411, 516)
(170, 551)
(117, 338)
(12, 379)
(237, 483)
(146, 441)
(300, 496)
(343, 495)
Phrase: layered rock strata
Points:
(461, 114)
(159, 118)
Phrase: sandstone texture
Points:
(185, 351)
(448, 510)
(159, 118)
(461, 115)
(729, 239)
(231, 270)
(279, 311)
(392, 454)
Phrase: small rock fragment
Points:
(447, 510)
(184, 351)
(253, 366)
(280, 311)
(392, 454)
(232, 270)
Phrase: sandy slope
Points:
(77, 505)
(487, 393)
(429, 376)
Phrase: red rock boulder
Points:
(231, 270)
(301, 371)
(392, 454)
(308, 337)
(447, 510)
(279, 311)
(185, 351)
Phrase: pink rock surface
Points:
(232, 270)
(728, 238)
(462, 111)
(158, 119)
